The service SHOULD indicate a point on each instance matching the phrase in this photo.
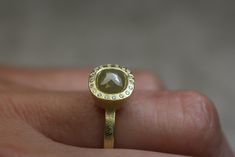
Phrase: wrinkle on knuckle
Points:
(201, 118)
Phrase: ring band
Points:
(109, 128)
(111, 85)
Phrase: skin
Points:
(50, 113)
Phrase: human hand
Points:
(50, 113)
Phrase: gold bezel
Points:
(116, 96)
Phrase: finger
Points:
(158, 121)
(19, 139)
(6, 85)
(70, 79)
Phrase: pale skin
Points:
(50, 113)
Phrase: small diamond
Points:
(91, 79)
(93, 90)
(127, 92)
(91, 85)
(128, 71)
(120, 66)
(113, 97)
(121, 95)
(99, 95)
(132, 81)
(106, 97)
(130, 87)
(131, 76)
(97, 68)
(123, 68)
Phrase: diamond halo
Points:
(112, 81)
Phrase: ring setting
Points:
(111, 85)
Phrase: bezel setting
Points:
(113, 96)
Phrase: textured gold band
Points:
(109, 128)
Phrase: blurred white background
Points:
(190, 44)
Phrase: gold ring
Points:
(111, 85)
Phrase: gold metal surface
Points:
(109, 128)
(111, 85)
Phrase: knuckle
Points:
(201, 117)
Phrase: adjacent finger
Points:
(6, 85)
(70, 79)
(182, 122)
